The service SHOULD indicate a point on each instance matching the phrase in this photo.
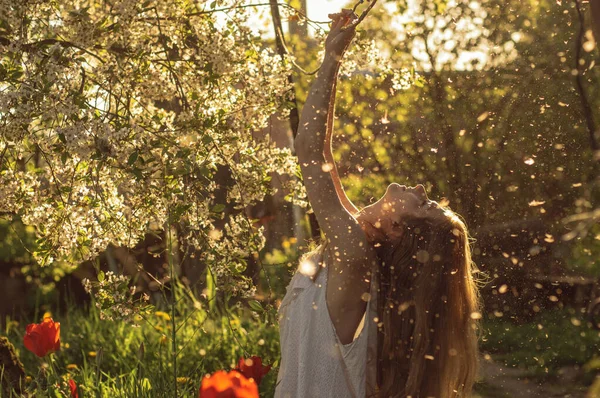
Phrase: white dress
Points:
(313, 361)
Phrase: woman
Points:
(386, 306)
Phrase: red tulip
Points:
(73, 388)
(42, 338)
(253, 368)
(228, 385)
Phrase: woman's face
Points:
(385, 216)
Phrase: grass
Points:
(116, 359)
(551, 341)
(483, 389)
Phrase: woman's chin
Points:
(395, 187)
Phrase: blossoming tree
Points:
(115, 117)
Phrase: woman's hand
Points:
(343, 29)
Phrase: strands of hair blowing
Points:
(427, 342)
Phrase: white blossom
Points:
(116, 119)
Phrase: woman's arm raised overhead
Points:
(351, 256)
(328, 153)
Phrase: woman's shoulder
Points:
(312, 262)
(306, 278)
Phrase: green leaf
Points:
(132, 158)
(218, 208)
(5, 27)
(204, 171)
(256, 306)
(16, 74)
(137, 173)
(100, 276)
(206, 139)
(179, 211)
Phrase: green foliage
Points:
(552, 340)
(107, 358)
(18, 243)
(586, 253)
(279, 265)
(491, 134)
(17, 240)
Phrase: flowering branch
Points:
(364, 14)
(120, 125)
(48, 42)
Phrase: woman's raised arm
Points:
(351, 256)
(328, 153)
(313, 142)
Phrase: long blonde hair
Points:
(428, 308)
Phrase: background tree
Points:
(496, 124)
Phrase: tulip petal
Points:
(228, 385)
(42, 338)
(73, 389)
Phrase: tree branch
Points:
(585, 104)
(282, 51)
(294, 116)
(36, 45)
